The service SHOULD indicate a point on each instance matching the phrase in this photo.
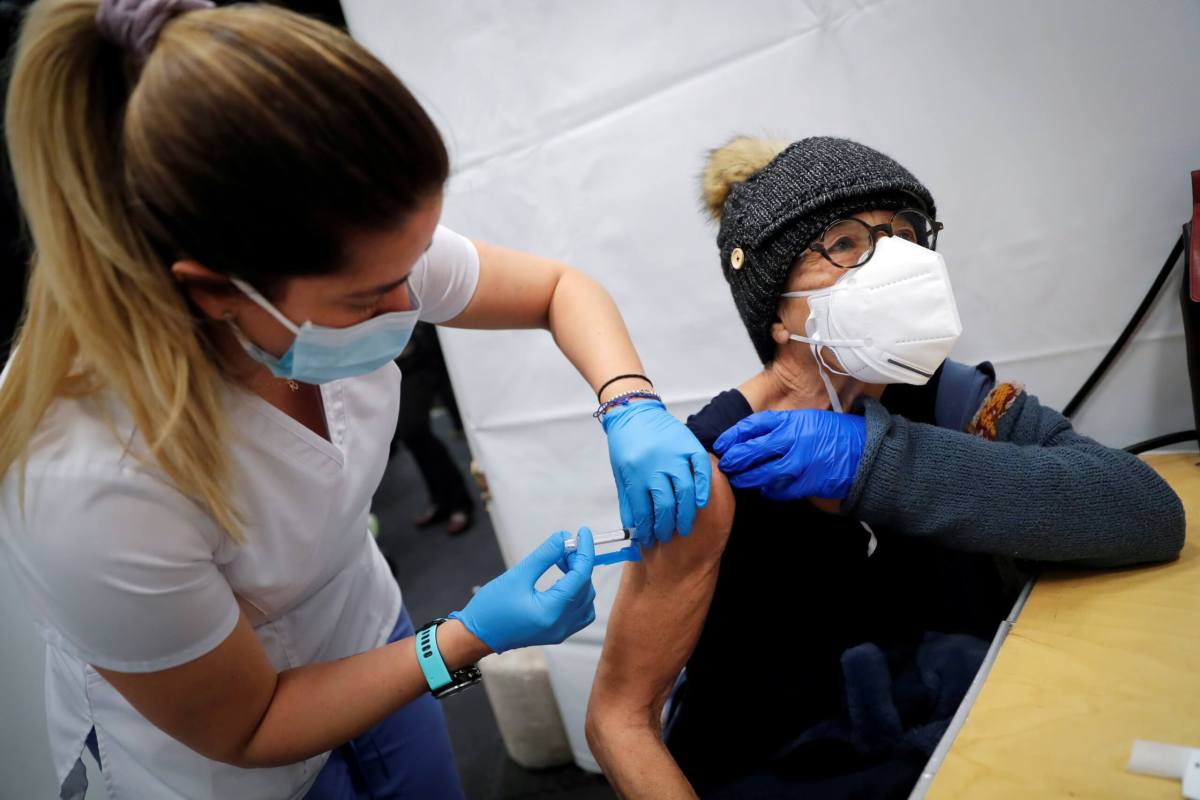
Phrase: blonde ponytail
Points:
(251, 139)
(101, 311)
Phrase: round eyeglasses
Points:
(849, 243)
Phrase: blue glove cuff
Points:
(606, 408)
(622, 409)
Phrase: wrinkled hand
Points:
(508, 612)
(662, 473)
(791, 455)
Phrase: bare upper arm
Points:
(659, 613)
(212, 704)
(514, 289)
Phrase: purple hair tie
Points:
(134, 24)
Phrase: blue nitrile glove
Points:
(508, 612)
(790, 455)
(662, 472)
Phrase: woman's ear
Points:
(211, 291)
(779, 332)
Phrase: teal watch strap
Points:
(430, 658)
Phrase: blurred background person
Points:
(426, 381)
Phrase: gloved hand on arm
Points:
(662, 473)
(791, 455)
(508, 612)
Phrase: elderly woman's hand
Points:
(663, 474)
(791, 455)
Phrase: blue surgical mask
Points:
(321, 355)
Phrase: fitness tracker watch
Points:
(442, 682)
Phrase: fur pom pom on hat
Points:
(773, 201)
(734, 163)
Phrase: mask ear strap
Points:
(823, 369)
(872, 543)
(817, 344)
(834, 400)
(835, 403)
(831, 343)
(250, 346)
(821, 357)
(253, 294)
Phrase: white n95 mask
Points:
(892, 320)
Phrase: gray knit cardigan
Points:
(1039, 492)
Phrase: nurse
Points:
(235, 218)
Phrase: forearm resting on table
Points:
(230, 705)
(655, 623)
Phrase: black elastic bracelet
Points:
(605, 385)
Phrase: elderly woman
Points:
(875, 516)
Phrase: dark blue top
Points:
(799, 606)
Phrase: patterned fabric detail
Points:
(998, 401)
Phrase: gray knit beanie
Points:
(773, 201)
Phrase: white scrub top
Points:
(123, 572)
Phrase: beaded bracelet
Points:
(623, 400)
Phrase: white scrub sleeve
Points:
(121, 571)
(446, 276)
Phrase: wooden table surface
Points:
(1094, 661)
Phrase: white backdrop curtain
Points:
(1056, 138)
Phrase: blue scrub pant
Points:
(406, 755)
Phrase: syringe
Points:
(607, 537)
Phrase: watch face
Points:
(463, 679)
(432, 624)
